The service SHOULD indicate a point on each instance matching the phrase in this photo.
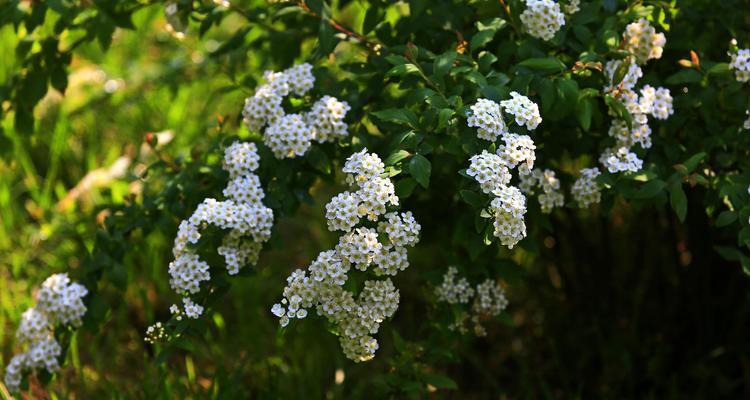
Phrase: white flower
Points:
(487, 117)
(241, 159)
(628, 82)
(656, 101)
(359, 247)
(519, 150)
(59, 303)
(621, 160)
(362, 166)
(402, 229)
(740, 63)
(342, 212)
(289, 136)
(489, 170)
(300, 78)
(263, 108)
(542, 18)
(510, 207)
(192, 310)
(643, 42)
(454, 291)
(586, 190)
(326, 119)
(62, 300)
(572, 7)
(627, 137)
(525, 110)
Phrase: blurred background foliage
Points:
(643, 297)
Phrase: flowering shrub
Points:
(511, 146)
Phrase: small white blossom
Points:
(628, 82)
(643, 42)
(454, 291)
(740, 63)
(289, 136)
(519, 150)
(525, 111)
(572, 7)
(489, 170)
(300, 78)
(59, 303)
(542, 18)
(586, 190)
(326, 119)
(621, 160)
(487, 117)
(192, 310)
(356, 320)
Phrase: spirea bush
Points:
(438, 149)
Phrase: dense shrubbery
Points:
(521, 198)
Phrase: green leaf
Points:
(725, 218)
(481, 38)
(619, 109)
(684, 76)
(396, 156)
(421, 169)
(692, 163)
(443, 64)
(373, 17)
(719, 69)
(398, 116)
(678, 200)
(472, 198)
(621, 71)
(319, 160)
(59, 78)
(405, 187)
(584, 112)
(440, 381)
(650, 189)
(444, 116)
(729, 253)
(401, 70)
(548, 65)
(24, 121)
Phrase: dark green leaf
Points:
(398, 116)
(725, 218)
(420, 168)
(678, 200)
(547, 65)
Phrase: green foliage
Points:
(640, 296)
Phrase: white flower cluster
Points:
(631, 78)
(741, 65)
(291, 135)
(746, 125)
(59, 302)
(643, 42)
(621, 160)
(454, 291)
(542, 18)
(487, 116)
(656, 102)
(247, 222)
(383, 249)
(586, 190)
(488, 299)
(550, 195)
(572, 7)
(493, 171)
